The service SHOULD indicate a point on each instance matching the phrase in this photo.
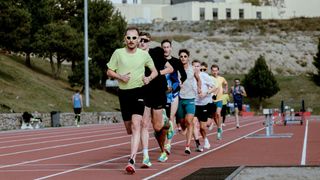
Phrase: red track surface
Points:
(101, 151)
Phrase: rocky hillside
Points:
(287, 45)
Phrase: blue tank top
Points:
(76, 101)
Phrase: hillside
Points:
(288, 45)
(24, 89)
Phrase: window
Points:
(135, 1)
(241, 14)
(259, 15)
(124, 1)
(202, 14)
(228, 13)
(215, 13)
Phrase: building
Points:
(145, 11)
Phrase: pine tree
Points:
(316, 63)
(260, 81)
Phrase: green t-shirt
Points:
(123, 63)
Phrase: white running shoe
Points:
(211, 127)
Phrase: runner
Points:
(238, 92)
(128, 66)
(222, 86)
(155, 100)
(174, 89)
(202, 104)
(189, 90)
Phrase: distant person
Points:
(238, 92)
(77, 106)
(127, 65)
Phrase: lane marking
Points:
(127, 156)
(58, 140)
(200, 155)
(304, 148)
(54, 135)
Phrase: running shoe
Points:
(223, 124)
(206, 144)
(146, 162)
(167, 148)
(130, 167)
(170, 132)
(163, 157)
(199, 149)
(187, 150)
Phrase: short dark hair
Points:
(204, 64)
(132, 28)
(214, 66)
(165, 41)
(184, 51)
(143, 33)
(196, 61)
(236, 79)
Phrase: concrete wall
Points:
(11, 121)
(306, 8)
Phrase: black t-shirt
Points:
(158, 83)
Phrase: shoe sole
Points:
(187, 152)
(130, 170)
(163, 160)
(145, 166)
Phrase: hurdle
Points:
(269, 123)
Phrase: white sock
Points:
(145, 152)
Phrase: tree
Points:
(106, 29)
(260, 82)
(15, 23)
(316, 63)
(58, 42)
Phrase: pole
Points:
(86, 63)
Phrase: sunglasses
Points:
(142, 40)
(185, 56)
(203, 70)
(131, 37)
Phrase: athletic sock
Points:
(197, 142)
(145, 152)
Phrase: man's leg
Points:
(219, 123)
(189, 123)
(236, 113)
(135, 139)
(196, 134)
(161, 128)
(145, 137)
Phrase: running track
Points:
(101, 151)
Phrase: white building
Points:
(145, 11)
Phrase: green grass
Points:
(25, 89)
(34, 89)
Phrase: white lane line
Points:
(59, 140)
(63, 155)
(304, 148)
(49, 131)
(126, 156)
(200, 155)
(40, 136)
(59, 146)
